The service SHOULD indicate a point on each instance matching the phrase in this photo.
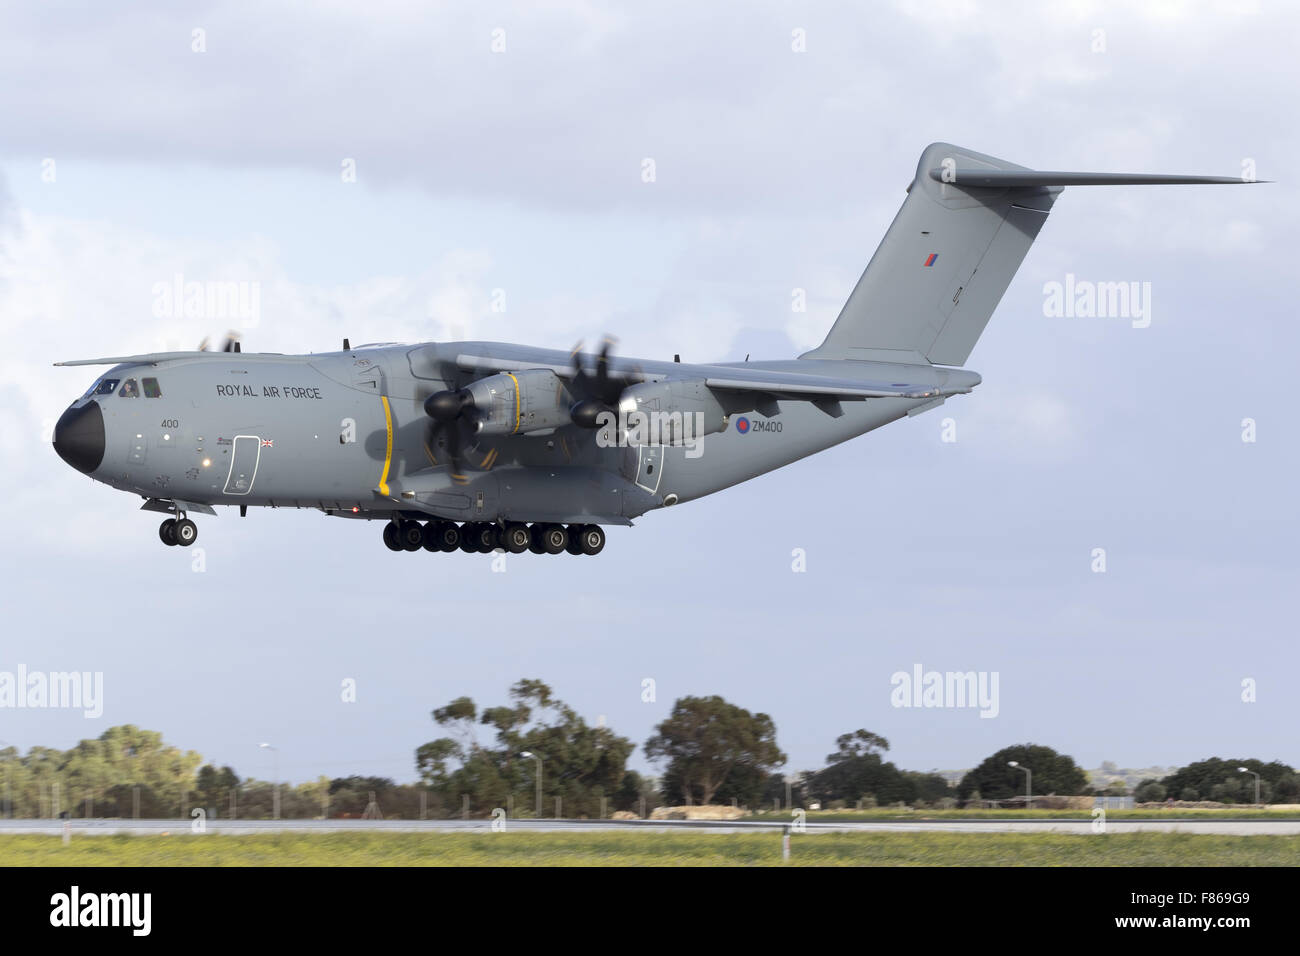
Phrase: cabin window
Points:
(129, 389)
(151, 389)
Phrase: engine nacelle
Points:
(516, 403)
(671, 412)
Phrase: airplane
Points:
(480, 446)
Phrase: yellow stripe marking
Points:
(388, 446)
(516, 381)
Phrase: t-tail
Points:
(950, 253)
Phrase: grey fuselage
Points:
(347, 432)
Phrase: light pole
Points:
(275, 751)
(528, 754)
(1256, 776)
(1029, 782)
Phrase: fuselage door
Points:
(243, 465)
(650, 460)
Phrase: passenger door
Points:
(243, 465)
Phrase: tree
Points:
(857, 768)
(580, 764)
(706, 740)
(928, 787)
(1150, 791)
(1217, 779)
(996, 780)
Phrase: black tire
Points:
(411, 534)
(167, 532)
(448, 536)
(429, 537)
(574, 544)
(591, 539)
(391, 537)
(466, 543)
(516, 538)
(535, 539)
(554, 538)
(186, 532)
(487, 537)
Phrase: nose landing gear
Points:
(178, 532)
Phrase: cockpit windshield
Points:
(105, 386)
(129, 389)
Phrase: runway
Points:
(83, 828)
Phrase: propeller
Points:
(231, 343)
(450, 412)
(594, 393)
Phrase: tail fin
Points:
(950, 253)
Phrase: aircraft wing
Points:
(771, 383)
(794, 386)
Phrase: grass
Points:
(654, 849)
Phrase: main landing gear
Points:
(178, 532)
(482, 537)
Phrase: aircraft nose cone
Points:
(79, 437)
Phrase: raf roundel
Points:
(742, 425)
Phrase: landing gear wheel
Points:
(391, 537)
(574, 544)
(485, 538)
(411, 535)
(554, 538)
(448, 533)
(429, 536)
(185, 533)
(591, 539)
(167, 532)
(516, 538)
(466, 542)
(535, 539)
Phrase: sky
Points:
(499, 152)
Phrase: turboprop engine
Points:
(670, 412)
(509, 403)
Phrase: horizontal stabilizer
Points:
(999, 178)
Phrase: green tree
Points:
(996, 780)
(212, 787)
(857, 768)
(705, 740)
(1150, 791)
(1217, 779)
(580, 763)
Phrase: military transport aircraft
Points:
(480, 445)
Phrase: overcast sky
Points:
(521, 170)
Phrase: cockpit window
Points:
(105, 386)
(151, 389)
(129, 389)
